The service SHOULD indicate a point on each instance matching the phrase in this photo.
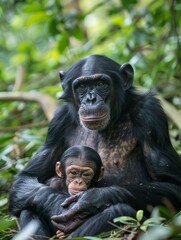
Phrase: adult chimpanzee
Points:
(129, 130)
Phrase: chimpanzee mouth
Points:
(94, 118)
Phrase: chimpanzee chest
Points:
(119, 150)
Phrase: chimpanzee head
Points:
(96, 85)
(80, 167)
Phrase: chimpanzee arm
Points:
(161, 159)
(28, 193)
(101, 199)
(29, 190)
(97, 223)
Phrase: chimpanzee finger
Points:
(68, 228)
(60, 234)
(65, 216)
(71, 199)
(59, 226)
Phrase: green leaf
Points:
(144, 227)
(91, 238)
(78, 33)
(63, 42)
(6, 223)
(154, 220)
(3, 202)
(32, 8)
(18, 59)
(157, 233)
(36, 18)
(139, 215)
(125, 219)
(6, 138)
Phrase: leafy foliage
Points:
(154, 228)
(39, 37)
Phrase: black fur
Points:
(135, 148)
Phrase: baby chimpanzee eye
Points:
(73, 173)
(86, 174)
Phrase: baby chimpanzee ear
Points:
(58, 169)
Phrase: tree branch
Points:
(25, 126)
(47, 103)
(173, 114)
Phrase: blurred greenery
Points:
(40, 37)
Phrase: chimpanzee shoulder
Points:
(149, 118)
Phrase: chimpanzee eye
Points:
(100, 83)
(82, 85)
(86, 174)
(73, 173)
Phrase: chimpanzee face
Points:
(92, 95)
(78, 174)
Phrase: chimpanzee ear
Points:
(59, 169)
(61, 75)
(101, 174)
(127, 74)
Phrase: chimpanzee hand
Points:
(89, 203)
(71, 199)
(66, 228)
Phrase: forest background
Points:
(38, 38)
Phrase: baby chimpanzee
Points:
(79, 168)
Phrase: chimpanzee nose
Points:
(78, 181)
(91, 97)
